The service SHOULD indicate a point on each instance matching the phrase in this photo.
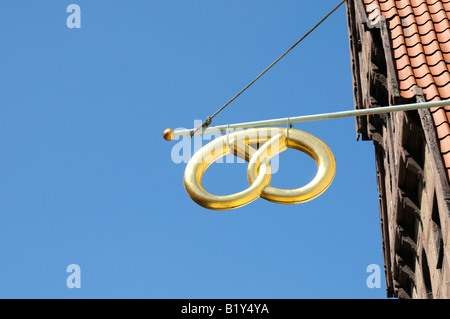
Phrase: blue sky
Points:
(87, 179)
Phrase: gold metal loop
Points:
(239, 144)
(259, 171)
(308, 144)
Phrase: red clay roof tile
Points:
(420, 41)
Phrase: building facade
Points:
(400, 54)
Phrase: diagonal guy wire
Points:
(208, 120)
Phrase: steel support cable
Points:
(208, 120)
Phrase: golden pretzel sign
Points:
(259, 173)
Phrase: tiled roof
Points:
(420, 41)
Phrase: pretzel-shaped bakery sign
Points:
(259, 172)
